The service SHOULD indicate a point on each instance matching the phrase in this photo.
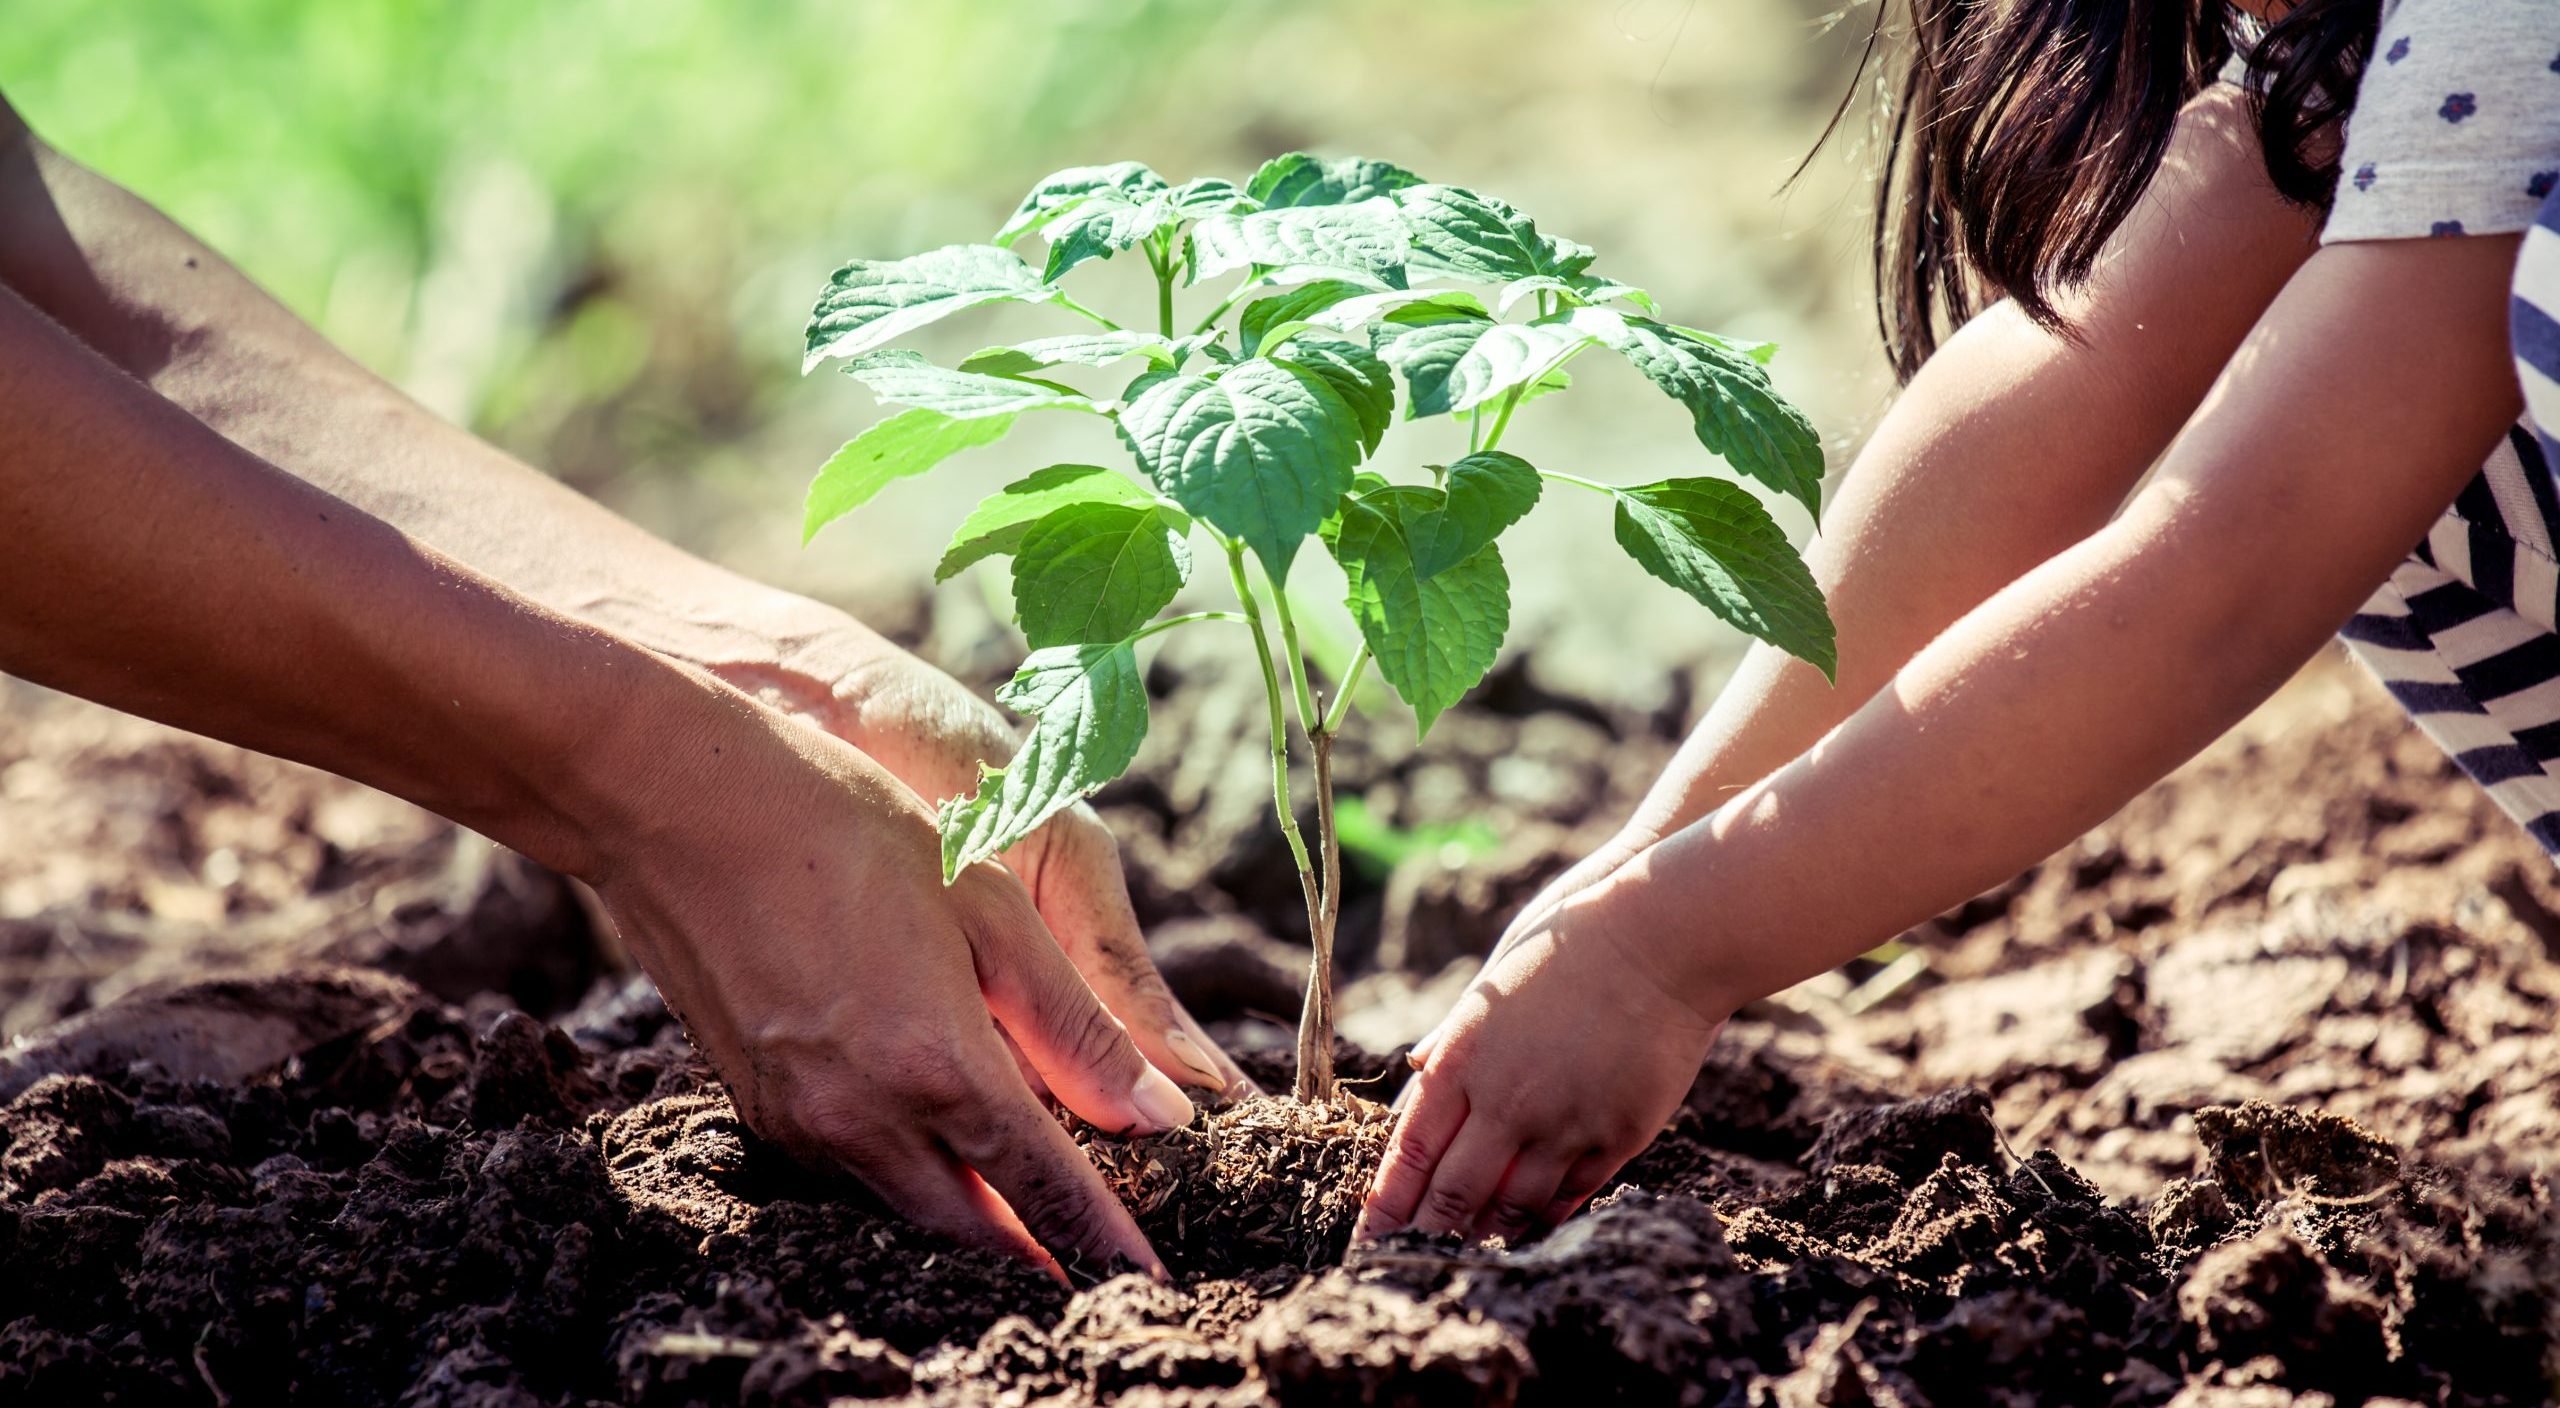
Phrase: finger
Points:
(1464, 1179)
(1523, 1195)
(1077, 1046)
(1049, 1184)
(1076, 882)
(930, 1187)
(1423, 1129)
(1579, 1183)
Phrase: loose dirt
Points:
(2245, 1099)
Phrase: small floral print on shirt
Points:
(2541, 184)
(2364, 177)
(2399, 50)
(2457, 106)
(2444, 229)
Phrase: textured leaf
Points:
(1434, 637)
(1580, 290)
(1093, 573)
(1101, 225)
(871, 302)
(1084, 349)
(1716, 542)
(1060, 190)
(1477, 237)
(1734, 409)
(1356, 374)
(1261, 453)
(1090, 704)
(907, 379)
(905, 444)
(1277, 317)
(1210, 195)
(1302, 180)
(1001, 519)
(1454, 361)
(1484, 494)
(1364, 243)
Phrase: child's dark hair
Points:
(2027, 129)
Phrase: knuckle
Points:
(1057, 1210)
(931, 1076)
(1091, 1037)
(1446, 1206)
(1413, 1148)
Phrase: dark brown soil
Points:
(2246, 1099)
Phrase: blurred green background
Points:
(591, 229)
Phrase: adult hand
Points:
(785, 893)
(931, 733)
(1562, 1061)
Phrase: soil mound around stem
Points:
(2245, 1099)
(1261, 1185)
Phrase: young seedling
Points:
(1252, 434)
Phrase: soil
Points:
(2246, 1099)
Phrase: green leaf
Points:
(907, 379)
(1484, 494)
(1090, 706)
(1101, 225)
(908, 443)
(1299, 179)
(1364, 243)
(1210, 195)
(1084, 349)
(1433, 637)
(1001, 519)
(1093, 573)
(1477, 237)
(1454, 361)
(1061, 190)
(1356, 374)
(1734, 409)
(1261, 453)
(1578, 291)
(1277, 317)
(1716, 542)
(870, 303)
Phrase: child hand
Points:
(1563, 1060)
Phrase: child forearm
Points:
(2013, 443)
(2348, 421)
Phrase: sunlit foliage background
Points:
(591, 228)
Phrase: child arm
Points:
(2352, 414)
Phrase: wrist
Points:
(1642, 912)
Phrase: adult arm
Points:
(783, 890)
(158, 303)
(2348, 419)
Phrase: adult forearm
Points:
(153, 566)
(154, 300)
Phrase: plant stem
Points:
(1307, 715)
(1502, 420)
(1279, 724)
(1069, 303)
(1315, 1020)
(1591, 484)
(1186, 619)
(1164, 291)
(1342, 701)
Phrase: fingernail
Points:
(1160, 1102)
(1188, 1052)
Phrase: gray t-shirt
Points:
(2456, 129)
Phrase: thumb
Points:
(1079, 1049)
